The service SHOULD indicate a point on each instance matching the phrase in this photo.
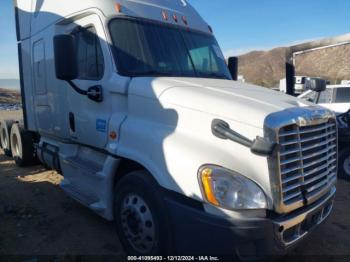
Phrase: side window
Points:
(90, 57)
(343, 95)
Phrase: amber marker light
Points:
(175, 18)
(118, 7)
(113, 135)
(206, 177)
(184, 19)
(165, 15)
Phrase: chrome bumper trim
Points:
(294, 224)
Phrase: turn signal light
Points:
(118, 7)
(206, 178)
(113, 135)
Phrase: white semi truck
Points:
(133, 103)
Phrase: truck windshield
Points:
(150, 49)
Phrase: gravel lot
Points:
(11, 114)
(37, 220)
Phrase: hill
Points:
(10, 84)
(8, 96)
(266, 68)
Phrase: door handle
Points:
(72, 122)
(95, 93)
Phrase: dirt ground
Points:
(37, 220)
(16, 115)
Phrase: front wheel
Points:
(141, 217)
(344, 164)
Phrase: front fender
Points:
(174, 142)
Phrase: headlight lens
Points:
(230, 190)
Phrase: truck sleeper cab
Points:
(133, 103)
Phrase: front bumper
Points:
(199, 233)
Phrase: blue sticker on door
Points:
(101, 125)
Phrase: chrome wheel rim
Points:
(138, 223)
(4, 139)
(16, 151)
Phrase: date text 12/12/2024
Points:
(173, 258)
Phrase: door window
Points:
(89, 54)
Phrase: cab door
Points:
(40, 98)
(88, 119)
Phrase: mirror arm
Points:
(76, 88)
(259, 146)
(94, 93)
(318, 96)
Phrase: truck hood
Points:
(224, 99)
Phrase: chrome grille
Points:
(307, 160)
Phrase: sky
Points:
(239, 25)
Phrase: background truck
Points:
(133, 103)
(335, 98)
(300, 85)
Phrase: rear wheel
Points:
(5, 130)
(344, 164)
(22, 146)
(140, 215)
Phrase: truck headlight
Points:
(230, 190)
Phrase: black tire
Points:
(145, 220)
(5, 130)
(22, 146)
(344, 164)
